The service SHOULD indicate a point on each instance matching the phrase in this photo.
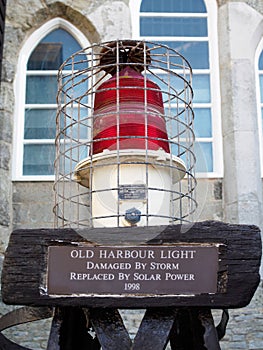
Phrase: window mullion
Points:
(174, 14)
(176, 38)
(38, 141)
(41, 72)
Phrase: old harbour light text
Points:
(133, 254)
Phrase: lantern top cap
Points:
(135, 54)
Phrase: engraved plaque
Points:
(132, 192)
(132, 270)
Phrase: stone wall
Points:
(32, 205)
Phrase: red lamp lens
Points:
(129, 114)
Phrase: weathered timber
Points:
(25, 265)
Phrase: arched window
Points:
(189, 26)
(36, 90)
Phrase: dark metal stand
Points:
(185, 329)
(103, 328)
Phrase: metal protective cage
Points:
(124, 143)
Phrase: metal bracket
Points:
(19, 316)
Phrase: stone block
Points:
(6, 131)
(4, 239)
(19, 12)
(32, 215)
(28, 192)
(7, 101)
(5, 155)
(112, 20)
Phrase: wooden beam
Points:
(25, 265)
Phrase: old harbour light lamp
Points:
(125, 137)
(124, 157)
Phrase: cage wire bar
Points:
(119, 152)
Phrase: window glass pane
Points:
(179, 150)
(169, 26)
(176, 122)
(46, 56)
(200, 84)
(70, 45)
(204, 158)
(78, 62)
(174, 85)
(77, 123)
(39, 159)
(202, 122)
(73, 154)
(173, 6)
(75, 88)
(201, 87)
(260, 62)
(159, 59)
(203, 152)
(52, 51)
(41, 89)
(40, 124)
(196, 53)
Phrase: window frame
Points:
(259, 72)
(20, 94)
(211, 14)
